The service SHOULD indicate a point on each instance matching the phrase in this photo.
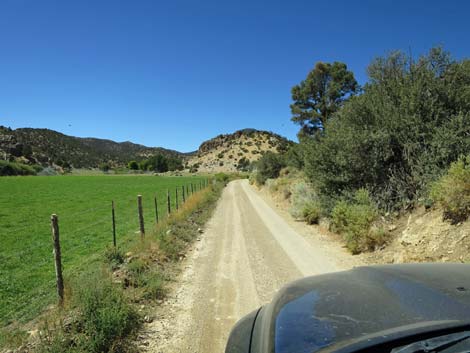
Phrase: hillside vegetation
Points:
(48, 148)
(236, 151)
(369, 153)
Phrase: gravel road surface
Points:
(247, 252)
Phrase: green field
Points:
(83, 204)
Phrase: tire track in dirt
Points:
(246, 254)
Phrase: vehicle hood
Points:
(346, 311)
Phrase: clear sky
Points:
(174, 73)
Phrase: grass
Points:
(83, 206)
(100, 313)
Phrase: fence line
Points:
(122, 218)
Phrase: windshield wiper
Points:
(435, 344)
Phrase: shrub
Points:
(353, 220)
(268, 167)
(105, 167)
(411, 121)
(104, 315)
(311, 212)
(243, 164)
(222, 178)
(302, 195)
(452, 191)
(133, 165)
(13, 168)
(194, 168)
(220, 155)
(103, 320)
(377, 236)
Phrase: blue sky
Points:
(174, 73)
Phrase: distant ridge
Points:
(48, 147)
(225, 152)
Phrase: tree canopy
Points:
(320, 95)
(411, 121)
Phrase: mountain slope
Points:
(227, 153)
(48, 147)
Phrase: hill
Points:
(47, 148)
(234, 152)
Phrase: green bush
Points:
(268, 167)
(222, 178)
(13, 168)
(103, 320)
(311, 213)
(353, 219)
(452, 191)
(105, 315)
(133, 165)
(243, 164)
(410, 122)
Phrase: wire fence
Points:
(83, 232)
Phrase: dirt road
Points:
(247, 253)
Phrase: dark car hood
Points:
(336, 311)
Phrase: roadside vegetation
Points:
(369, 153)
(106, 303)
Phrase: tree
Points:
(158, 163)
(175, 163)
(105, 167)
(410, 123)
(145, 165)
(317, 97)
(132, 165)
(243, 164)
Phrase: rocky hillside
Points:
(423, 236)
(234, 152)
(47, 147)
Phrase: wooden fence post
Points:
(141, 216)
(156, 209)
(114, 223)
(192, 189)
(168, 201)
(57, 258)
(187, 190)
(176, 198)
(184, 196)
